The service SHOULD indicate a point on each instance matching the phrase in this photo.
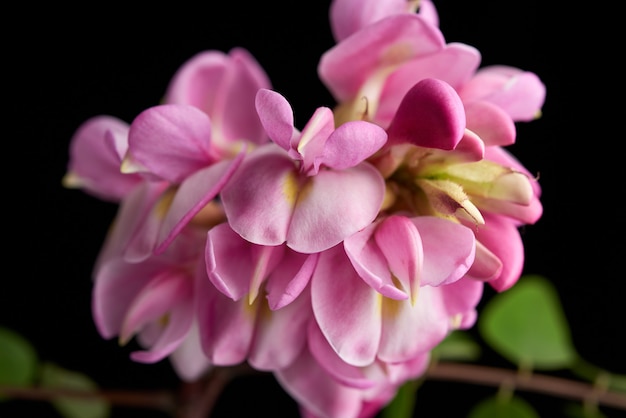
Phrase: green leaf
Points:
(458, 346)
(404, 402)
(18, 359)
(577, 410)
(526, 324)
(495, 407)
(617, 382)
(54, 376)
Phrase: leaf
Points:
(617, 382)
(577, 410)
(527, 325)
(18, 359)
(459, 346)
(54, 376)
(404, 402)
(496, 407)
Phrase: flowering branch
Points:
(197, 399)
(538, 383)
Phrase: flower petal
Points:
(260, 197)
(327, 358)
(348, 315)
(431, 115)
(280, 335)
(194, 193)
(276, 116)
(224, 87)
(334, 205)
(400, 242)
(96, 151)
(171, 141)
(412, 330)
(370, 263)
(491, 123)
(379, 46)
(351, 143)
(226, 327)
(449, 250)
(316, 391)
(519, 93)
(289, 278)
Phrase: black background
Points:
(68, 65)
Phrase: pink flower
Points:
(97, 149)
(154, 300)
(392, 301)
(309, 190)
(369, 72)
(460, 177)
(333, 389)
(223, 86)
(238, 326)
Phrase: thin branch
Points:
(197, 400)
(162, 400)
(539, 383)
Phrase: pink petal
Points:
(486, 266)
(188, 360)
(316, 391)
(226, 327)
(260, 198)
(519, 93)
(334, 205)
(171, 141)
(491, 123)
(224, 245)
(197, 81)
(351, 143)
(280, 335)
(386, 43)
(455, 65)
(194, 193)
(311, 143)
(462, 296)
(370, 263)
(431, 115)
(156, 299)
(276, 116)
(117, 283)
(400, 242)
(348, 315)
(503, 239)
(96, 151)
(349, 16)
(224, 87)
(327, 358)
(449, 250)
(289, 278)
(129, 220)
(412, 330)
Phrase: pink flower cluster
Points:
(336, 256)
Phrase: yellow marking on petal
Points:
(129, 166)
(72, 181)
(259, 275)
(391, 308)
(291, 188)
(455, 321)
(163, 205)
(397, 53)
(390, 196)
